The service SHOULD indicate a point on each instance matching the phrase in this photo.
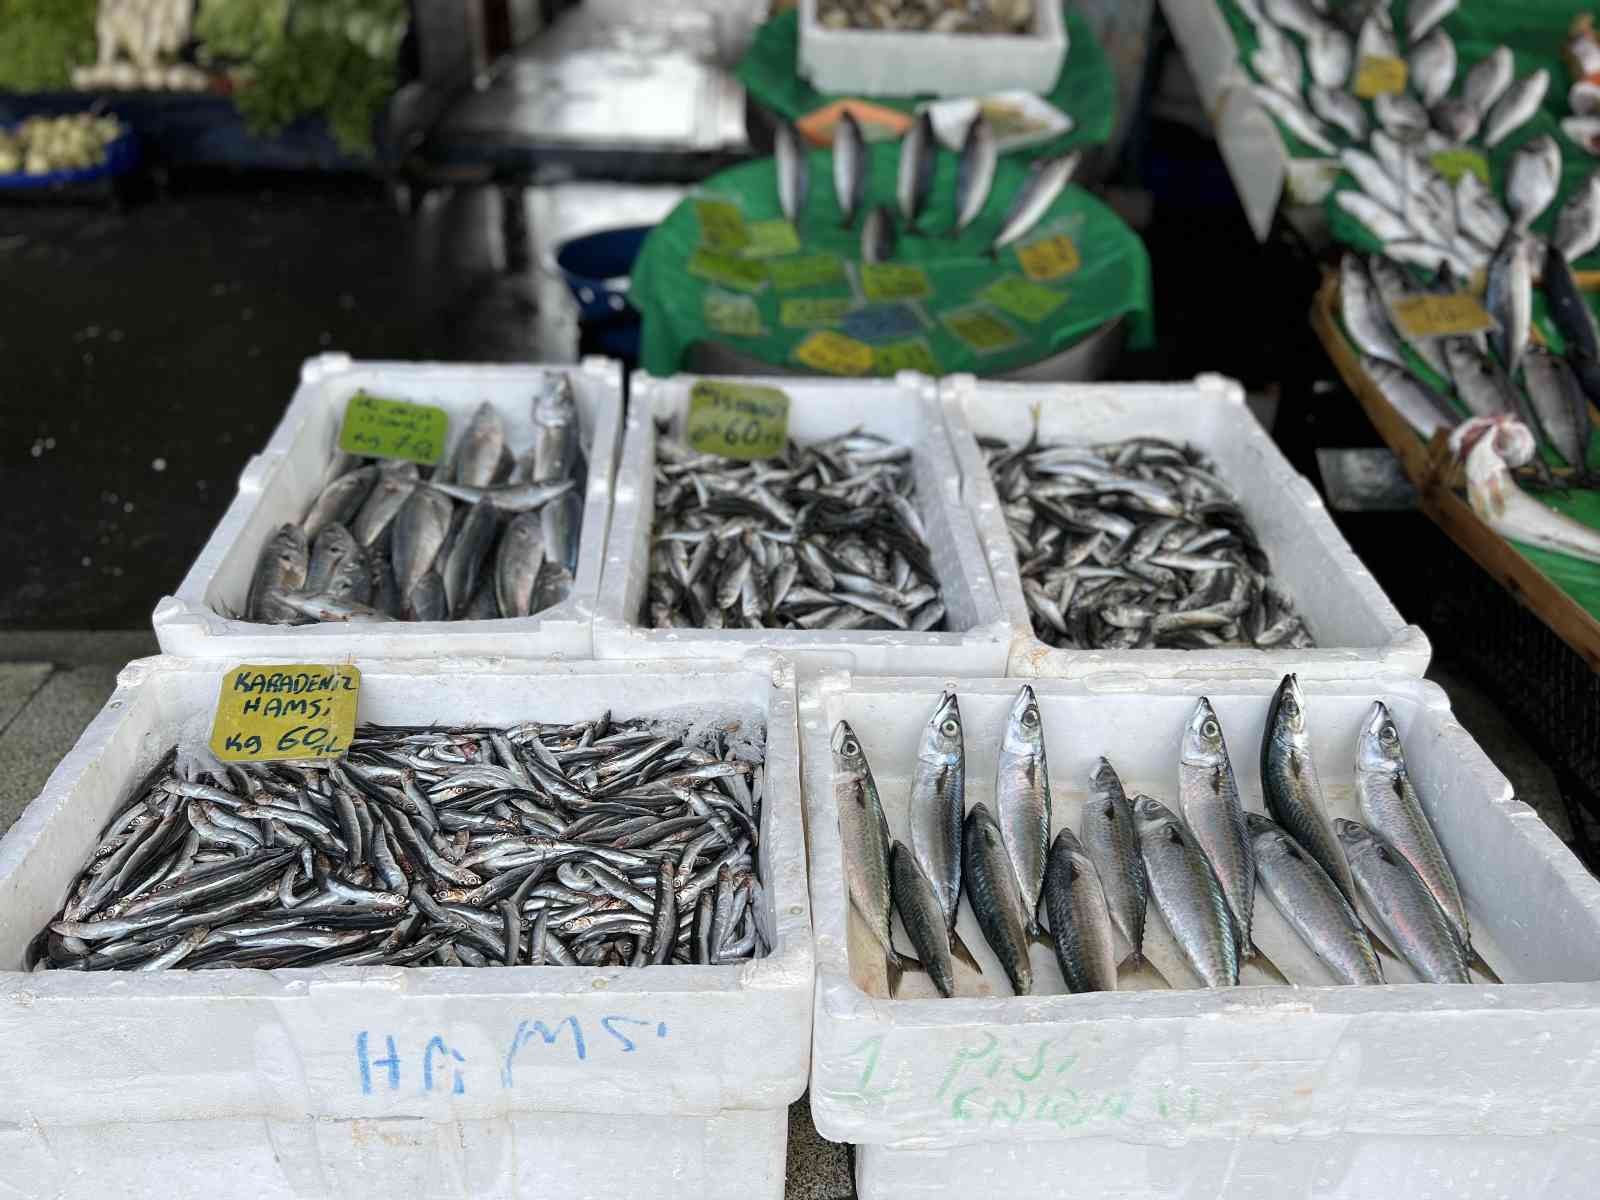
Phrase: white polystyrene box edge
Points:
(186, 623)
(1391, 643)
(755, 1012)
(850, 1022)
(980, 649)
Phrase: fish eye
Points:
(1030, 716)
(951, 727)
(1211, 729)
(851, 747)
(1388, 734)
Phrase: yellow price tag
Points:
(768, 239)
(894, 281)
(912, 355)
(722, 226)
(809, 312)
(828, 351)
(981, 329)
(375, 428)
(276, 713)
(1023, 298)
(1427, 315)
(1453, 164)
(746, 274)
(1049, 257)
(732, 314)
(1380, 74)
(806, 271)
(737, 420)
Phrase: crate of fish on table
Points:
(484, 534)
(1235, 939)
(540, 927)
(1157, 527)
(846, 548)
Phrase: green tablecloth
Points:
(1086, 90)
(1033, 319)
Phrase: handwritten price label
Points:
(912, 355)
(1453, 164)
(1023, 298)
(806, 271)
(1377, 75)
(375, 428)
(834, 353)
(722, 226)
(745, 274)
(982, 330)
(1049, 257)
(732, 314)
(811, 312)
(737, 420)
(768, 239)
(882, 322)
(894, 281)
(1432, 316)
(271, 714)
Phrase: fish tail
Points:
(1134, 961)
(1476, 963)
(896, 965)
(1266, 965)
(959, 949)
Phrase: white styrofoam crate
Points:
(905, 410)
(1356, 627)
(666, 1081)
(279, 484)
(876, 62)
(1253, 1092)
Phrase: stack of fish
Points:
(488, 534)
(1093, 887)
(822, 536)
(1136, 544)
(932, 16)
(919, 148)
(593, 843)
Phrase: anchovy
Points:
(919, 150)
(567, 842)
(1291, 786)
(1409, 916)
(794, 174)
(1080, 926)
(980, 156)
(1214, 814)
(849, 167)
(991, 890)
(1047, 179)
(1187, 893)
(1312, 903)
(1111, 840)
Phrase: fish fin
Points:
(897, 965)
(1263, 963)
(1378, 944)
(1134, 961)
(1476, 963)
(1040, 934)
(959, 949)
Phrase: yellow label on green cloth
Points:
(894, 281)
(1023, 298)
(276, 713)
(810, 312)
(1453, 164)
(737, 420)
(981, 329)
(378, 428)
(768, 239)
(1049, 257)
(828, 351)
(806, 271)
(911, 355)
(1378, 74)
(722, 227)
(1427, 315)
(731, 314)
(746, 274)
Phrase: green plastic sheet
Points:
(1086, 90)
(1032, 318)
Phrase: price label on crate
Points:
(1049, 257)
(768, 239)
(834, 353)
(1378, 74)
(1023, 298)
(1427, 315)
(275, 713)
(912, 355)
(894, 281)
(722, 226)
(745, 274)
(378, 428)
(806, 271)
(1453, 164)
(981, 329)
(737, 420)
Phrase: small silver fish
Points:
(878, 236)
(1047, 179)
(1312, 904)
(794, 175)
(1187, 893)
(1578, 223)
(1488, 80)
(1432, 66)
(919, 150)
(1532, 179)
(980, 156)
(1080, 925)
(1410, 918)
(849, 167)
(1513, 109)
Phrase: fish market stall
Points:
(526, 1030)
(841, 262)
(1457, 1075)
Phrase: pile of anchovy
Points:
(598, 843)
(934, 16)
(487, 534)
(822, 536)
(1136, 544)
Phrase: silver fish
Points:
(1340, 109)
(1456, 118)
(1112, 843)
(1372, 177)
(1520, 101)
(980, 155)
(1080, 926)
(1022, 796)
(1480, 382)
(794, 173)
(510, 497)
(1425, 15)
(1047, 179)
(1215, 816)
(1583, 131)
(1532, 179)
(849, 167)
(339, 501)
(1297, 15)
(1363, 313)
(1578, 223)
(925, 923)
(1275, 61)
(1409, 917)
(468, 554)
(419, 533)
(938, 805)
(1478, 213)
(1430, 256)
(1391, 808)
(919, 151)
(1509, 299)
(477, 453)
(1432, 66)
(1329, 54)
(280, 568)
(1376, 39)
(1312, 904)
(427, 600)
(1488, 80)
(335, 548)
(1297, 120)
(1393, 286)
(555, 431)
(878, 236)
(1383, 224)
(1290, 784)
(991, 890)
(1187, 893)
(864, 834)
(1400, 114)
(1410, 397)
(1560, 405)
(382, 505)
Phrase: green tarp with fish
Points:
(1086, 90)
(725, 267)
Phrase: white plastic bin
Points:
(280, 483)
(1357, 629)
(1248, 1093)
(880, 62)
(320, 1082)
(906, 410)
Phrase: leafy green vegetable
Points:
(42, 40)
(240, 29)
